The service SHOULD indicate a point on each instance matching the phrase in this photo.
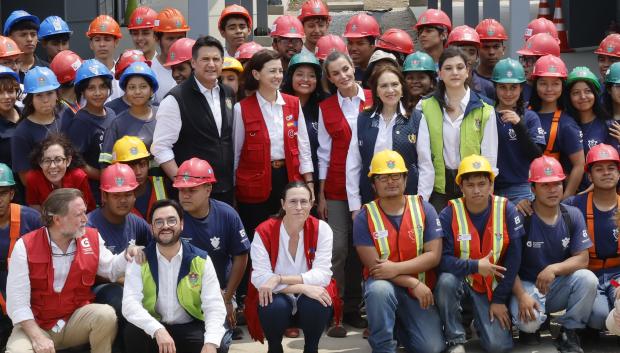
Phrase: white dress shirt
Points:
(167, 304)
(168, 125)
(350, 108)
(319, 275)
(426, 172)
(18, 282)
(452, 137)
(164, 78)
(274, 120)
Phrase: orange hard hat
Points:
(395, 39)
(434, 17)
(313, 8)
(170, 20)
(194, 172)
(601, 153)
(247, 50)
(550, 66)
(142, 17)
(329, 43)
(118, 177)
(362, 25)
(288, 27)
(180, 51)
(491, 29)
(236, 10)
(128, 57)
(541, 25)
(540, 44)
(610, 46)
(464, 35)
(105, 25)
(546, 169)
(8, 47)
(64, 65)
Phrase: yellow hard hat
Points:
(232, 64)
(474, 164)
(387, 162)
(129, 148)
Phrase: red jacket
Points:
(339, 130)
(38, 187)
(253, 183)
(269, 232)
(48, 306)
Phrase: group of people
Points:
(155, 201)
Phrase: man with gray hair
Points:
(50, 277)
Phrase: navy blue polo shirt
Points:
(127, 124)
(527, 93)
(568, 138)
(549, 244)
(483, 85)
(594, 133)
(512, 161)
(134, 231)
(86, 133)
(27, 134)
(221, 234)
(118, 105)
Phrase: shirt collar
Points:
(204, 89)
(464, 101)
(262, 101)
(161, 257)
(360, 95)
(401, 110)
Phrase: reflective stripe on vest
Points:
(595, 263)
(553, 134)
(158, 187)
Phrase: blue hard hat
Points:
(91, 68)
(141, 69)
(5, 71)
(53, 25)
(17, 16)
(40, 79)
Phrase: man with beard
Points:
(172, 301)
(50, 280)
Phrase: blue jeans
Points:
(604, 301)
(449, 292)
(312, 317)
(575, 293)
(419, 330)
(516, 192)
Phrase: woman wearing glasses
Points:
(52, 169)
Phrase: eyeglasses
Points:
(57, 161)
(171, 222)
(385, 177)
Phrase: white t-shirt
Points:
(164, 79)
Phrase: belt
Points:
(278, 163)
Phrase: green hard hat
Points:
(6, 175)
(304, 58)
(419, 61)
(582, 73)
(508, 71)
(613, 73)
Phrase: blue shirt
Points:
(527, 93)
(86, 133)
(549, 244)
(512, 257)
(27, 134)
(118, 105)
(127, 124)
(134, 231)
(483, 85)
(221, 234)
(513, 163)
(568, 138)
(594, 133)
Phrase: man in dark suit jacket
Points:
(195, 119)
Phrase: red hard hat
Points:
(329, 43)
(362, 25)
(288, 27)
(550, 66)
(128, 57)
(64, 65)
(8, 47)
(540, 44)
(491, 29)
(610, 46)
(118, 177)
(236, 10)
(313, 8)
(546, 169)
(142, 17)
(464, 35)
(601, 153)
(541, 25)
(194, 172)
(434, 17)
(170, 20)
(180, 51)
(105, 25)
(247, 50)
(395, 39)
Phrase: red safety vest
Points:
(269, 232)
(339, 130)
(595, 263)
(48, 306)
(467, 240)
(403, 244)
(253, 184)
(158, 192)
(14, 226)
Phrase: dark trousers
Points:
(452, 191)
(311, 317)
(112, 294)
(188, 338)
(353, 281)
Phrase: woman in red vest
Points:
(270, 141)
(291, 260)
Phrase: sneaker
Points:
(529, 339)
(355, 320)
(291, 332)
(455, 348)
(237, 334)
(568, 342)
(337, 331)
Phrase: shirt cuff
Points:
(164, 156)
(215, 338)
(306, 168)
(151, 327)
(21, 315)
(355, 203)
(322, 173)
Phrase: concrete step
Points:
(345, 5)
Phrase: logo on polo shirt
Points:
(215, 243)
(512, 134)
(592, 143)
(566, 241)
(242, 233)
(615, 233)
